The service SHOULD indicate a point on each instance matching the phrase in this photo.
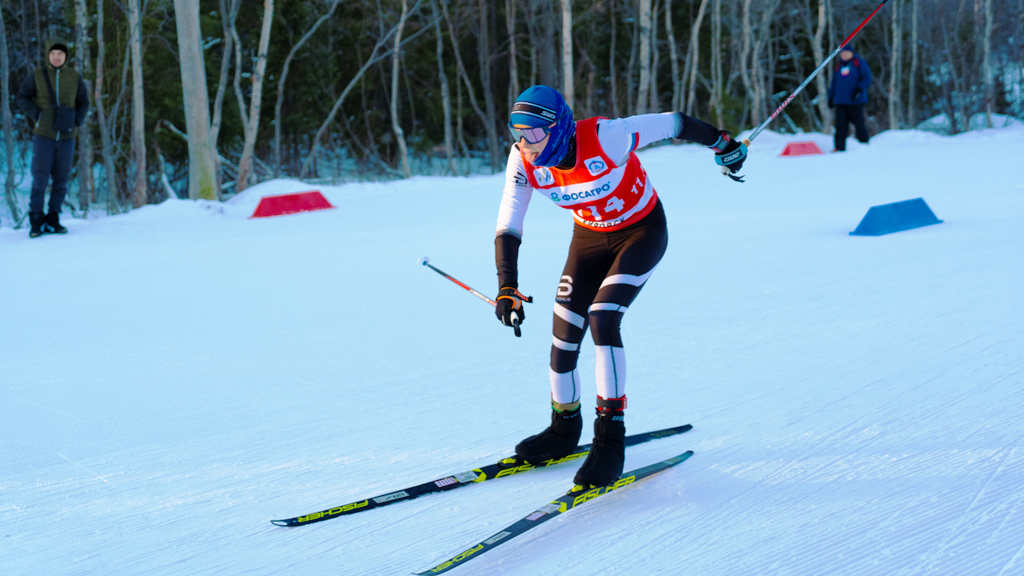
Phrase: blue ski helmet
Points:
(538, 107)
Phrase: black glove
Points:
(831, 103)
(730, 154)
(856, 94)
(509, 307)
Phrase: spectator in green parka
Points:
(56, 126)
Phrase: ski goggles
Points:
(531, 135)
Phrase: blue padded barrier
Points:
(896, 217)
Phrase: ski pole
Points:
(789, 99)
(515, 317)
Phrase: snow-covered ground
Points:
(174, 378)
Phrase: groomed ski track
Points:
(172, 379)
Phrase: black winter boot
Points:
(51, 225)
(35, 220)
(603, 465)
(556, 441)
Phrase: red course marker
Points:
(282, 204)
(801, 149)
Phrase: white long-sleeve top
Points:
(618, 138)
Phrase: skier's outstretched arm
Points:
(621, 136)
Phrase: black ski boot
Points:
(603, 465)
(556, 441)
(35, 220)
(51, 225)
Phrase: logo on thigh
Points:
(564, 289)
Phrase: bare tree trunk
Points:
(716, 61)
(227, 17)
(588, 63)
(459, 129)
(202, 178)
(694, 57)
(568, 89)
(462, 69)
(548, 61)
(745, 41)
(819, 81)
(5, 90)
(630, 67)
(245, 171)
(446, 98)
(950, 102)
(911, 99)
(395, 71)
(654, 105)
(673, 55)
(237, 85)
(281, 84)
(139, 195)
(613, 84)
(894, 60)
(106, 152)
(38, 52)
(762, 40)
(513, 73)
(168, 190)
(643, 96)
(987, 66)
(86, 187)
(483, 42)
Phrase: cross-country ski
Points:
(502, 469)
(578, 496)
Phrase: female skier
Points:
(619, 236)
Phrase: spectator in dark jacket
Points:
(848, 94)
(56, 125)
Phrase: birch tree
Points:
(987, 66)
(745, 44)
(245, 171)
(86, 190)
(673, 55)
(568, 74)
(483, 42)
(510, 23)
(396, 127)
(227, 17)
(642, 96)
(446, 99)
(5, 89)
(693, 57)
(138, 106)
(894, 60)
(202, 180)
(716, 61)
(818, 51)
(107, 151)
(547, 60)
(654, 104)
(631, 66)
(762, 40)
(911, 98)
(612, 16)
